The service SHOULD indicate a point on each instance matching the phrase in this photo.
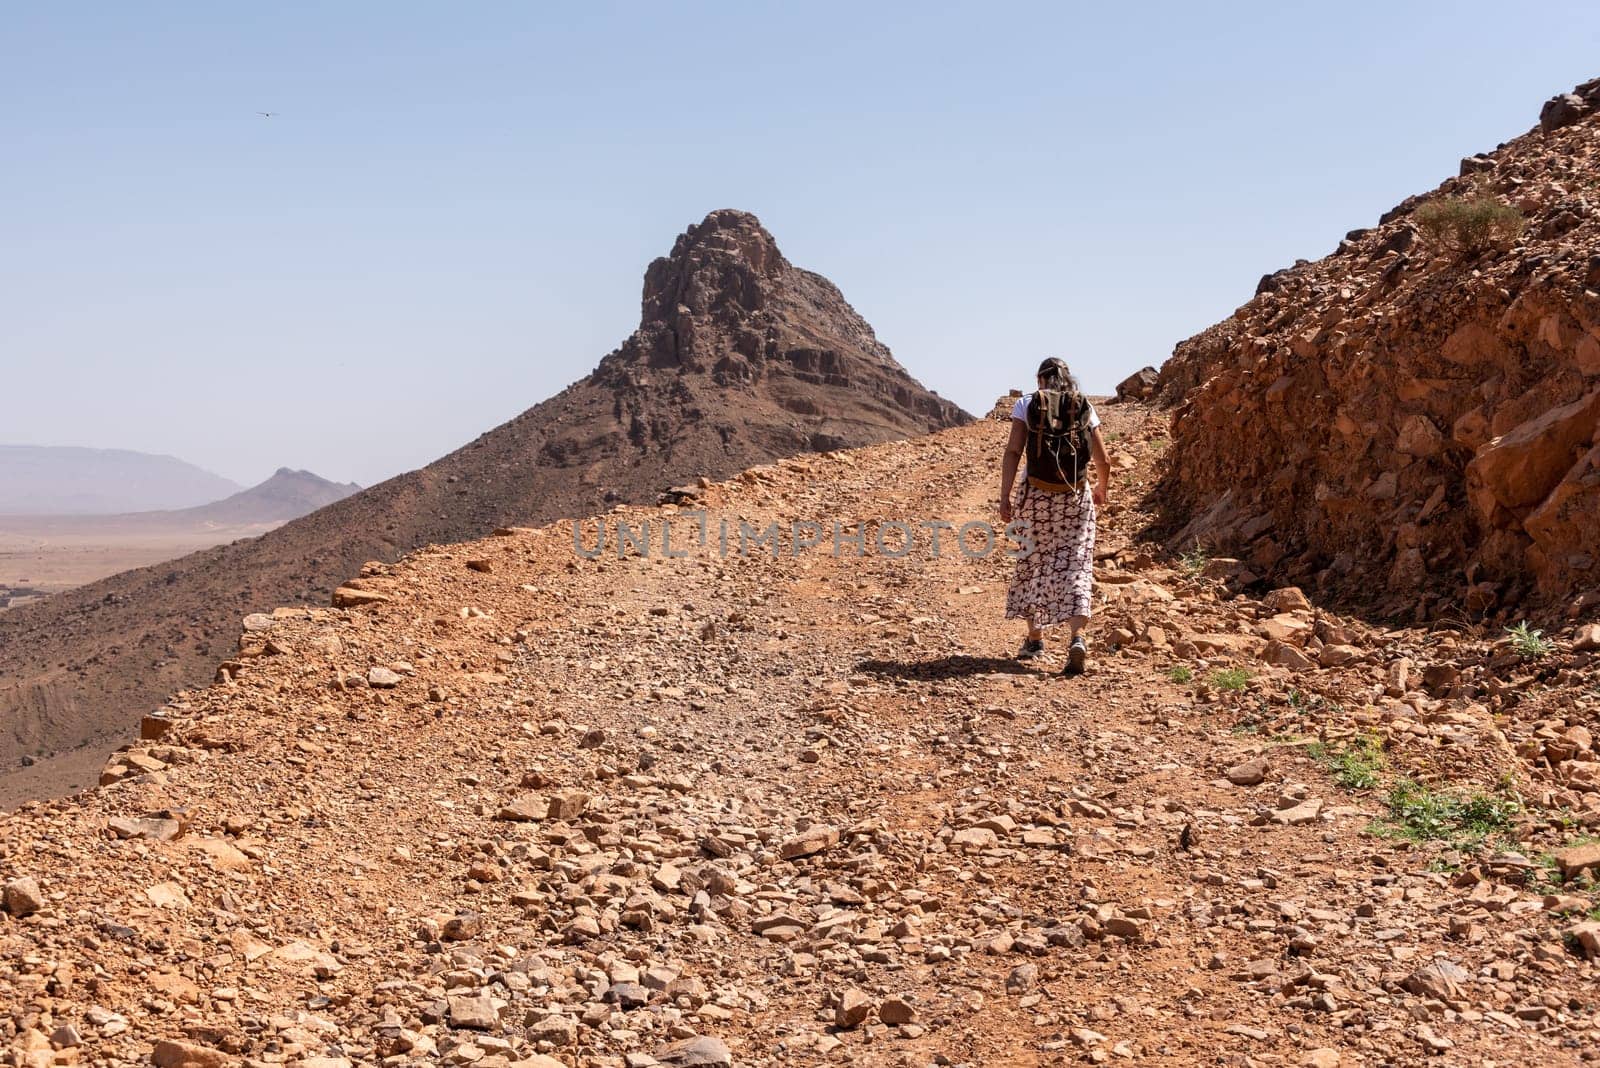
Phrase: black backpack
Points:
(1058, 436)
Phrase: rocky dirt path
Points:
(511, 805)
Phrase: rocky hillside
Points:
(509, 805)
(740, 357)
(1411, 421)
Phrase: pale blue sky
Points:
(449, 217)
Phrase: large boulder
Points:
(1519, 469)
(1140, 385)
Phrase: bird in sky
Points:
(266, 114)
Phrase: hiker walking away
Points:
(1058, 431)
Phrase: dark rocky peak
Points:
(726, 303)
(719, 266)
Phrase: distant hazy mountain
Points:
(65, 480)
(286, 495)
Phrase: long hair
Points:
(1057, 375)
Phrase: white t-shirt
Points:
(1020, 411)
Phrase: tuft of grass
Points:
(1421, 814)
(1230, 680)
(1469, 225)
(1530, 644)
(1305, 703)
(1180, 674)
(1195, 560)
(1355, 766)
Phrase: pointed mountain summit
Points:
(740, 358)
(288, 494)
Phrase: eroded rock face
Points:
(1407, 424)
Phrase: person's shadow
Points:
(945, 667)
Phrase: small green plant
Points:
(1469, 225)
(1530, 644)
(1230, 680)
(1355, 766)
(1180, 674)
(1159, 444)
(1545, 875)
(1195, 560)
(1420, 813)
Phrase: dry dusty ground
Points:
(525, 807)
(57, 553)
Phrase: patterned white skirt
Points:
(1054, 582)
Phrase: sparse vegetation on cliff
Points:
(1470, 224)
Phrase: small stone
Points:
(1587, 936)
(350, 597)
(557, 1029)
(529, 808)
(1326, 1057)
(812, 840)
(1304, 812)
(896, 1012)
(1281, 654)
(1587, 640)
(974, 839)
(1250, 773)
(1126, 927)
(482, 566)
(22, 897)
(381, 678)
(1575, 859)
(699, 1050)
(853, 1009)
(1440, 979)
(1434, 1043)
(627, 995)
(1287, 599)
(169, 1054)
(462, 927)
(1023, 978)
(567, 805)
(476, 1013)
(155, 830)
(1338, 655)
(154, 728)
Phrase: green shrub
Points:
(1195, 560)
(1232, 680)
(1421, 813)
(1355, 766)
(1469, 225)
(1180, 674)
(1530, 644)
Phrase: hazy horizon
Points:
(447, 217)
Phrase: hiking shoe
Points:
(1031, 648)
(1077, 656)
